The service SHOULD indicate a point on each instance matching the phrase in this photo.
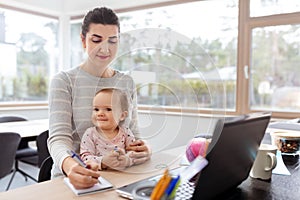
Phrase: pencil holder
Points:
(143, 192)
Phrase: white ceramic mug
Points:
(264, 163)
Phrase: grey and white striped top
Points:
(70, 109)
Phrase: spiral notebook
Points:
(103, 185)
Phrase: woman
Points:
(71, 94)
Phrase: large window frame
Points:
(246, 24)
(52, 69)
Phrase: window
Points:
(189, 62)
(275, 68)
(179, 60)
(29, 55)
(274, 55)
(241, 57)
(77, 52)
(271, 7)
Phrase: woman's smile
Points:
(103, 57)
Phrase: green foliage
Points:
(31, 50)
(37, 85)
(31, 81)
(30, 86)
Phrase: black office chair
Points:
(42, 147)
(9, 143)
(42, 150)
(25, 153)
(11, 118)
(45, 170)
(45, 161)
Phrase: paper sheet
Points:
(280, 167)
(103, 185)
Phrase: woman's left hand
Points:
(141, 152)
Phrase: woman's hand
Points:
(141, 152)
(125, 160)
(79, 176)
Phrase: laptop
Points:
(230, 156)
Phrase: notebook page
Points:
(103, 185)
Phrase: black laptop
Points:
(230, 156)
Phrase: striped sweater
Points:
(70, 109)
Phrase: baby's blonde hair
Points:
(117, 93)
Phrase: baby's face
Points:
(107, 112)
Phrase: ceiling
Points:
(75, 7)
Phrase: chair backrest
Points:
(42, 146)
(9, 142)
(11, 118)
(15, 118)
(45, 170)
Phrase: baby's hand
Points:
(117, 159)
(111, 160)
(119, 151)
(125, 161)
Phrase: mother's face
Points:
(101, 43)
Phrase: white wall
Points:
(30, 113)
(166, 130)
(75, 7)
(161, 130)
(78, 7)
(50, 7)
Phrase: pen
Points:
(172, 186)
(161, 186)
(173, 193)
(116, 149)
(76, 158)
(157, 186)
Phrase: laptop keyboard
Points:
(185, 191)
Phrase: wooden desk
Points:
(27, 129)
(280, 187)
(56, 189)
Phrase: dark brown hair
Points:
(102, 15)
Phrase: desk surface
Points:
(280, 187)
(30, 128)
(57, 189)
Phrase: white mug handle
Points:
(273, 161)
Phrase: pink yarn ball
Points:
(196, 147)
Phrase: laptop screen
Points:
(231, 154)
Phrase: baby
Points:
(106, 141)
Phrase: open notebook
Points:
(103, 185)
